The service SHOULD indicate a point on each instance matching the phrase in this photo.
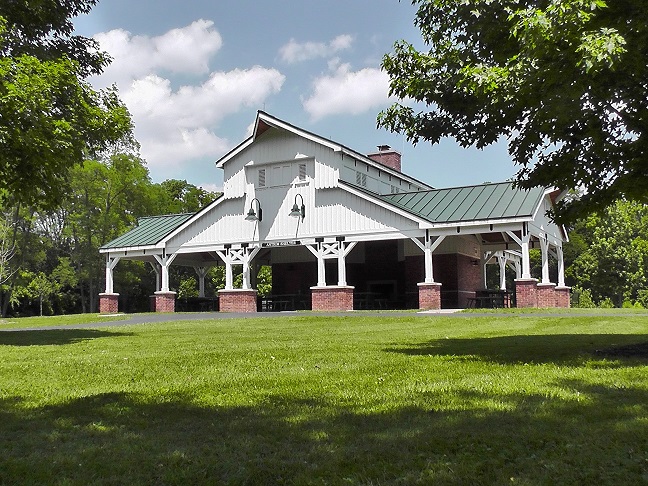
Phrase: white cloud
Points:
(184, 50)
(175, 124)
(297, 52)
(347, 92)
(212, 187)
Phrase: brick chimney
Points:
(387, 156)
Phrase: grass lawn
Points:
(51, 321)
(309, 399)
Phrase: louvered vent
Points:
(262, 178)
(361, 179)
(302, 172)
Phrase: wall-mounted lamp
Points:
(474, 263)
(298, 211)
(252, 215)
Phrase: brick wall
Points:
(165, 301)
(429, 296)
(526, 294)
(546, 294)
(108, 303)
(332, 298)
(237, 300)
(469, 279)
(390, 158)
(562, 296)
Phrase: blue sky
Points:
(193, 74)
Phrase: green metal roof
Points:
(149, 231)
(470, 203)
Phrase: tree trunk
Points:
(40, 304)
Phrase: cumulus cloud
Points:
(347, 92)
(297, 52)
(175, 124)
(184, 50)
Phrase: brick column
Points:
(332, 298)
(108, 303)
(429, 296)
(546, 293)
(526, 293)
(165, 301)
(237, 300)
(562, 297)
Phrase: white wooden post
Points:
(524, 246)
(246, 256)
(561, 266)
(165, 262)
(428, 247)
(321, 266)
(318, 252)
(111, 263)
(341, 264)
(501, 259)
(202, 273)
(526, 259)
(544, 247)
(156, 268)
(242, 256)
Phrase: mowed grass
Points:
(56, 321)
(328, 400)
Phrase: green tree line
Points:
(50, 257)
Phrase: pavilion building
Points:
(342, 230)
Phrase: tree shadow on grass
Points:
(550, 348)
(121, 438)
(49, 337)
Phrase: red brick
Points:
(562, 296)
(546, 294)
(237, 300)
(165, 301)
(332, 298)
(526, 293)
(108, 303)
(429, 296)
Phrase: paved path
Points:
(152, 318)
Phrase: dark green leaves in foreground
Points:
(50, 121)
(563, 81)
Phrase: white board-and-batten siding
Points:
(329, 212)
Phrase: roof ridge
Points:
(165, 215)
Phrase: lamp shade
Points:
(295, 212)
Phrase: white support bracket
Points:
(524, 246)
(238, 256)
(111, 263)
(329, 251)
(165, 262)
(428, 246)
(202, 273)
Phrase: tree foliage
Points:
(611, 257)
(50, 117)
(105, 199)
(564, 81)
